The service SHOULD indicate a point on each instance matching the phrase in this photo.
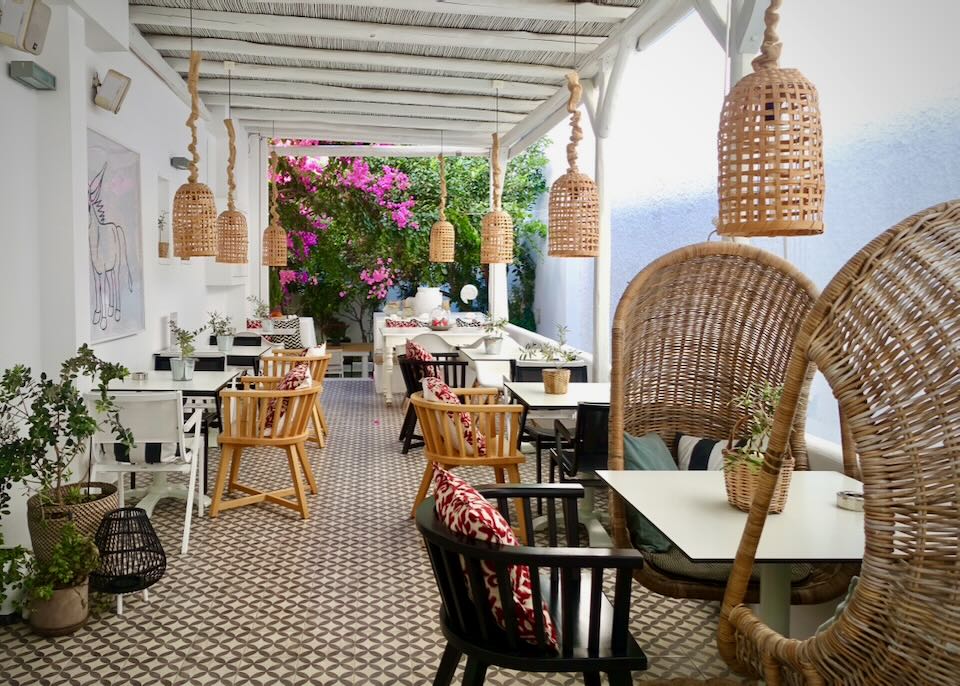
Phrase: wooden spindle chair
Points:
(245, 413)
(594, 632)
(281, 362)
(885, 335)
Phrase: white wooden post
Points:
(497, 283)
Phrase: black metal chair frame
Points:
(589, 442)
(447, 367)
(594, 633)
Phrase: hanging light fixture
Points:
(496, 229)
(442, 233)
(574, 208)
(770, 149)
(194, 208)
(274, 237)
(231, 224)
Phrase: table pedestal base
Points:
(159, 489)
(775, 597)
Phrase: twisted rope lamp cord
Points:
(194, 115)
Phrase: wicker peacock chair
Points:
(694, 330)
(885, 334)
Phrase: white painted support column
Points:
(497, 284)
(263, 219)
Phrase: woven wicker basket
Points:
(232, 237)
(46, 521)
(556, 381)
(194, 221)
(496, 238)
(741, 481)
(441, 242)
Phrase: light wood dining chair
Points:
(884, 334)
(281, 362)
(445, 445)
(245, 419)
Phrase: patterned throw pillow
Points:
(415, 351)
(287, 333)
(435, 390)
(466, 512)
(405, 323)
(254, 324)
(296, 378)
(477, 323)
(698, 454)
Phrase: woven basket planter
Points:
(741, 481)
(46, 521)
(556, 381)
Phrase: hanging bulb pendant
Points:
(274, 237)
(496, 231)
(574, 210)
(442, 232)
(770, 149)
(194, 208)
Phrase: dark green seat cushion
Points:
(648, 453)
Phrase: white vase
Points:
(492, 345)
(427, 299)
(224, 343)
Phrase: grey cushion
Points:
(675, 563)
(647, 453)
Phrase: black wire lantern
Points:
(131, 557)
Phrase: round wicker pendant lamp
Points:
(194, 209)
(574, 213)
(770, 149)
(274, 237)
(231, 225)
(442, 233)
(496, 232)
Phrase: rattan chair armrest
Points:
(769, 643)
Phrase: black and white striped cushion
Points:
(695, 453)
(147, 453)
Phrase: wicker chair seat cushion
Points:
(435, 390)
(298, 377)
(676, 564)
(466, 512)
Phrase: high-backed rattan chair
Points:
(445, 445)
(245, 415)
(694, 330)
(885, 334)
(281, 362)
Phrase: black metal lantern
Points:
(131, 557)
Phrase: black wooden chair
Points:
(447, 367)
(594, 633)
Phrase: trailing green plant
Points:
(759, 404)
(220, 324)
(185, 339)
(72, 560)
(260, 309)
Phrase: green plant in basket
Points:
(219, 324)
(759, 403)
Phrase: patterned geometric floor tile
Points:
(344, 598)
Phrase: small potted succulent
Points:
(261, 313)
(182, 366)
(163, 245)
(56, 589)
(221, 327)
(556, 381)
(494, 330)
(747, 445)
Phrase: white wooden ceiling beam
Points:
(313, 90)
(240, 22)
(155, 62)
(369, 79)
(746, 34)
(389, 60)
(361, 120)
(379, 150)
(545, 10)
(347, 106)
(362, 134)
(716, 24)
(670, 14)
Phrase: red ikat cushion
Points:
(434, 389)
(466, 512)
(298, 377)
(415, 351)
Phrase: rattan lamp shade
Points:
(194, 208)
(770, 150)
(496, 230)
(274, 237)
(231, 225)
(574, 211)
(442, 233)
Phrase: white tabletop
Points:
(531, 394)
(691, 509)
(202, 382)
(214, 351)
(478, 355)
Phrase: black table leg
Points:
(206, 452)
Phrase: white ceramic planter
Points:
(426, 300)
(491, 345)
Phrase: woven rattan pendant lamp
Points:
(274, 237)
(231, 224)
(770, 149)
(442, 233)
(194, 209)
(496, 232)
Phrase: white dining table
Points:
(393, 336)
(203, 384)
(691, 509)
(532, 395)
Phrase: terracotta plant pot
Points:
(65, 612)
(46, 521)
(556, 381)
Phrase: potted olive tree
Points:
(556, 381)
(221, 326)
(45, 426)
(57, 588)
(182, 367)
(261, 311)
(494, 330)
